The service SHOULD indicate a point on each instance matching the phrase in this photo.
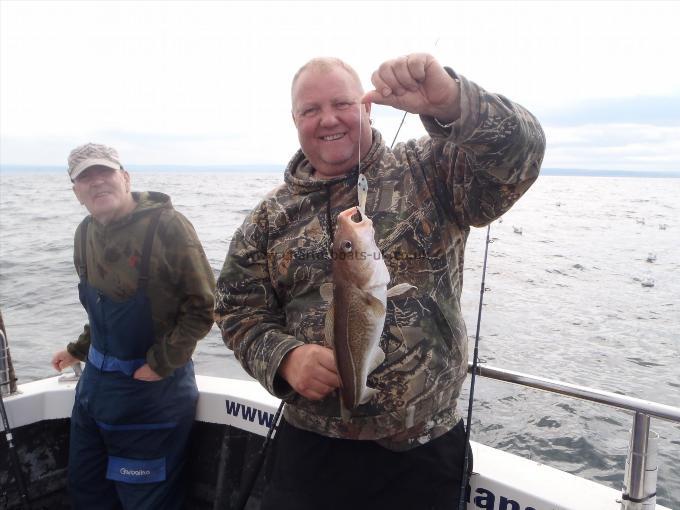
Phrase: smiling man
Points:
(404, 447)
(147, 288)
(332, 124)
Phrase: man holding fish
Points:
(347, 305)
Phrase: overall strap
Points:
(82, 267)
(146, 249)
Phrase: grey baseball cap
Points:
(92, 154)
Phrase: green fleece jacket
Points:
(181, 281)
(424, 195)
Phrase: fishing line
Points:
(465, 475)
(403, 118)
(361, 105)
(362, 183)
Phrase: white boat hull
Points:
(501, 481)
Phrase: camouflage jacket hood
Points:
(181, 281)
(423, 197)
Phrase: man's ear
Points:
(128, 181)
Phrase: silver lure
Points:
(362, 192)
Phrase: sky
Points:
(208, 83)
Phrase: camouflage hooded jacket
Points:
(181, 281)
(423, 197)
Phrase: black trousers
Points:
(307, 471)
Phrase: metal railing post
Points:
(639, 482)
(7, 384)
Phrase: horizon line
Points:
(271, 167)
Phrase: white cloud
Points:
(613, 146)
(208, 82)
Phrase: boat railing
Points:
(639, 482)
(8, 383)
(665, 412)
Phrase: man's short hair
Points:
(325, 64)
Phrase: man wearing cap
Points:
(147, 287)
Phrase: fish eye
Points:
(347, 246)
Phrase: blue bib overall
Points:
(128, 436)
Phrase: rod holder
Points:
(639, 482)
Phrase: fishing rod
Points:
(249, 481)
(14, 458)
(465, 474)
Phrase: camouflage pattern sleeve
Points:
(488, 158)
(184, 263)
(248, 311)
(80, 347)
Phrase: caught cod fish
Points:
(356, 317)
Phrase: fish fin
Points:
(368, 394)
(326, 291)
(361, 298)
(400, 289)
(377, 358)
(329, 325)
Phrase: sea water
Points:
(583, 286)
